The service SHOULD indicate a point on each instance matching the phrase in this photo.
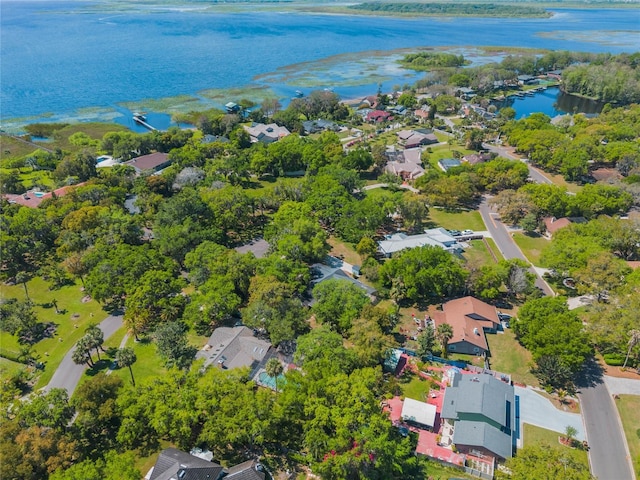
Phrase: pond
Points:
(551, 102)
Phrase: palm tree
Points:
(273, 369)
(444, 333)
(23, 278)
(634, 339)
(96, 338)
(82, 354)
(125, 358)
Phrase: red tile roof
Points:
(29, 199)
(149, 162)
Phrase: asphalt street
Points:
(68, 374)
(534, 173)
(505, 242)
(608, 453)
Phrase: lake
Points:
(86, 61)
(551, 102)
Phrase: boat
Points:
(137, 116)
(299, 94)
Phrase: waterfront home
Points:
(151, 163)
(259, 132)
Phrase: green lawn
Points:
(478, 254)
(416, 387)
(70, 324)
(541, 436)
(508, 356)
(494, 248)
(437, 471)
(457, 220)
(338, 248)
(629, 408)
(531, 246)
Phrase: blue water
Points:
(62, 57)
(551, 102)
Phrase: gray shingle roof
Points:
(234, 347)
(176, 464)
(479, 394)
(481, 434)
(245, 471)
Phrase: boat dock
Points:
(142, 120)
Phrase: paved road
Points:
(68, 374)
(622, 386)
(536, 175)
(384, 185)
(505, 242)
(608, 453)
(539, 411)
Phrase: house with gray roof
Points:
(479, 415)
(235, 347)
(436, 237)
(174, 464)
(406, 164)
(259, 132)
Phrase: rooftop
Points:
(234, 347)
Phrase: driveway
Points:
(505, 242)
(622, 386)
(539, 411)
(68, 374)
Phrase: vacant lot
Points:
(508, 356)
(629, 408)
(457, 220)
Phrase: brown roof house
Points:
(553, 224)
(174, 464)
(151, 163)
(416, 138)
(470, 318)
(406, 164)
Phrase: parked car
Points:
(455, 233)
(505, 317)
(467, 232)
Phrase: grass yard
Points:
(478, 254)
(457, 220)
(414, 387)
(629, 408)
(75, 318)
(531, 246)
(494, 248)
(541, 436)
(437, 471)
(508, 356)
(344, 250)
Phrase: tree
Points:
(426, 341)
(338, 303)
(513, 206)
(570, 434)
(126, 357)
(172, 344)
(82, 353)
(274, 368)
(366, 248)
(95, 338)
(634, 339)
(602, 274)
(444, 333)
(47, 410)
(542, 461)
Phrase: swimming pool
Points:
(270, 382)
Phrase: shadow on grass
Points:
(99, 366)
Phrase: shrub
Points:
(614, 359)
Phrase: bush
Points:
(614, 359)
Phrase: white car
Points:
(468, 232)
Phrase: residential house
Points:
(421, 114)
(466, 93)
(476, 158)
(527, 80)
(151, 163)
(33, 198)
(174, 464)
(406, 164)
(235, 347)
(416, 138)
(479, 412)
(419, 413)
(436, 237)
(259, 132)
(214, 138)
(553, 224)
(555, 74)
(470, 319)
(335, 271)
(315, 126)
(447, 163)
(232, 107)
(378, 116)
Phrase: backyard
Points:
(470, 220)
(629, 408)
